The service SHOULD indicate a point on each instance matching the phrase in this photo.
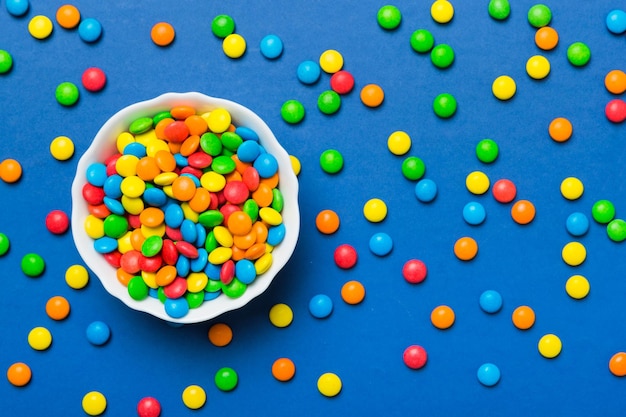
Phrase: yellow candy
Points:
(399, 143)
(197, 281)
(503, 87)
(147, 137)
(213, 181)
(189, 213)
(223, 236)
(165, 178)
(281, 315)
(149, 278)
(442, 11)
(331, 61)
(132, 205)
(122, 140)
(577, 287)
(538, 67)
(234, 46)
(477, 182)
(219, 120)
(549, 346)
(574, 253)
(194, 397)
(375, 210)
(264, 263)
(155, 145)
(148, 231)
(40, 338)
(94, 403)
(295, 165)
(270, 216)
(329, 384)
(40, 27)
(77, 276)
(133, 186)
(94, 227)
(62, 148)
(220, 255)
(167, 189)
(126, 165)
(572, 188)
(123, 243)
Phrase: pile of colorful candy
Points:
(188, 208)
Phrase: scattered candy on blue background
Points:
(488, 374)
(309, 72)
(616, 21)
(577, 224)
(271, 46)
(426, 190)
(320, 306)
(490, 301)
(474, 213)
(381, 244)
(90, 30)
(17, 7)
(98, 333)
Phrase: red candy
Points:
(94, 79)
(93, 195)
(345, 256)
(150, 263)
(169, 252)
(236, 192)
(113, 258)
(193, 171)
(100, 211)
(199, 160)
(110, 164)
(130, 261)
(415, 357)
(615, 110)
(342, 82)
(173, 234)
(148, 407)
(251, 178)
(414, 271)
(187, 249)
(227, 272)
(176, 131)
(57, 222)
(227, 209)
(504, 191)
(176, 288)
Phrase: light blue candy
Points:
(490, 301)
(112, 186)
(488, 374)
(616, 21)
(320, 306)
(98, 333)
(181, 161)
(271, 46)
(208, 296)
(115, 206)
(198, 264)
(96, 174)
(195, 179)
(135, 149)
(174, 215)
(248, 151)
(577, 224)
(381, 244)
(266, 165)
(276, 234)
(474, 213)
(426, 190)
(309, 72)
(176, 308)
(246, 133)
(212, 271)
(183, 267)
(89, 30)
(188, 231)
(201, 233)
(17, 7)
(245, 271)
(154, 196)
(105, 244)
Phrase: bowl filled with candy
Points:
(185, 206)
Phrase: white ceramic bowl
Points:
(103, 146)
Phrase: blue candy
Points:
(98, 333)
(181, 161)
(183, 266)
(174, 215)
(136, 149)
(474, 213)
(616, 21)
(488, 374)
(320, 306)
(246, 133)
(96, 174)
(577, 224)
(154, 196)
(271, 46)
(381, 244)
(212, 271)
(90, 30)
(208, 296)
(248, 151)
(245, 271)
(201, 233)
(176, 308)
(17, 7)
(112, 186)
(105, 244)
(309, 72)
(188, 231)
(266, 165)
(426, 190)
(276, 234)
(490, 301)
(115, 206)
(198, 264)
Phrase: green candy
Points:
(214, 285)
(389, 17)
(278, 202)
(329, 102)
(231, 141)
(210, 243)
(226, 379)
(578, 54)
(211, 218)
(422, 41)
(603, 211)
(223, 164)
(67, 94)
(499, 9)
(251, 208)
(487, 151)
(6, 61)
(413, 168)
(195, 299)
(141, 125)
(4, 244)
(234, 289)
(331, 161)
(115, 226)
(160, 116)
(211, 144)
(222, 25)
(33, 265)
(539, 15)
(444, 105)
(292, 111)
(616, 230)
(442, 56)
(152, 246)
(137, 288)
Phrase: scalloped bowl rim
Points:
(103, 145)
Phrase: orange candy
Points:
(166, 275)
(10, 170)
(617, 364)
(560, 129)
(159, 129)
(152, 217)
(57, 308)
(523, 212)
(162, 34)
(283, 369)
(523, 317)
(183, 188)
(272, 181)
(123, 277)
(196, 124)
(19, 374)
(68, 16)
(442, 317)
(136, 239)
(615, 81)
(260, 229)
(465, 248)
(245, 241)
(147, 168)
(239, 223)
(182, 112)
(255, 251)
(263, 195)
(546, 38)
(200, 200)
(353, 292)
(165, 161)
(190, 145)
(372, 95)
(220, 334)
(327, 222)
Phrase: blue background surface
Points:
(363, 344)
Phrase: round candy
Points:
(616, 21)
(477, 182)
(33, 265)
(614, 81)
(578, 54)
(538, 67)
(381, 244)
(422, 41)
(499, 9)
(308, 72)
(292, 111)
(415, 357)
(271, 46)
(90, 30)
(4, 244)
(549, 346)
(399, 143)
(345, 256)
(617, 364)
(414, 271)
(372, 95)
(281, 315)
(329, 384)
(162, 33)
(523, 317)
(572, 188)
(222, 25)
(194, 397)
(57, 308)
(40, 27)
(504, 191)
(39, 338)
(487, 151)
(616, 230)
(577, 224)
(615, 110)
(234, 45)
(375, 210)
(98, 333)
(148, 407)
(444, 105)
(426, 190)
(490, 301)
(327, 222)
(413, 168)
(6, 61)
(10, 170)
(67, 93)
(442, 11)
(62, 148)
(17, 7)
(539, 15)
(68, 16)
(76, 277)
(389, 17)
(331, 161)
(57, 222)
(546, 38)
(503, 87)
(488, 374)
(603, 211)
(342, 82)
(474, 213)
(523, 212)
(329, 102)
(226, 379)
(577, 287)
(442, 317)
(574, 253)
(442, 55)
(320, 306)
(560, 129)
(353, 292)
(94, 403)
(283, 369)
(331, 61)
(19, 374)
(465, 248)
(220, 334)
(295, 164)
